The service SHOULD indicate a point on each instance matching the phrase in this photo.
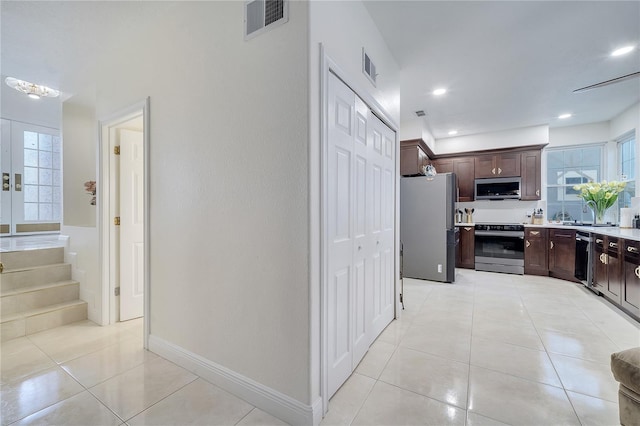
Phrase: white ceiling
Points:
(510, 64)
(506, 64)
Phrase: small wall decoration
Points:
(90, 187)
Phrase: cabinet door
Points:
(631, 288)
(562, 253)
(600, 277)
(444, 165)
(464, 168)
(467, 247)
(485, 167)
(613, 289)
(531, 173)
(508, 165)
(536, 261)
(412, 158)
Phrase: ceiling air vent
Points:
(368, 67)
(263, 15)
(420, 113)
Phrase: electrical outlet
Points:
(439, 268)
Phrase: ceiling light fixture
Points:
(622, 51)
(563, 116)
(34, 91)
(453, 132)
(440, 91)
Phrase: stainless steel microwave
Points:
(507, 188)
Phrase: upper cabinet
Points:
(530, 169)
(463, 167)
(521, 162)
(497, 165)
(413, 157)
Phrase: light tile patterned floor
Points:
(490, 349)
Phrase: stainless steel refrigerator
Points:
(427, 229)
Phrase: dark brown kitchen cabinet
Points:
(600, 275)
(465, 254)
(530, 170)
(562, 254)
(498, 165)
(412, 159)
(536, 261)
(631, 289)
(463, 167)
(613, 288)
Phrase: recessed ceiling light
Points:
(440, 91)
(622, 51)
(563, 116)
(453, 132)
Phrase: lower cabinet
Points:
(562, 253)
(465, 252)
(631, 277)
(536, 261)
(613, 288)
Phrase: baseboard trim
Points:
(269, 400)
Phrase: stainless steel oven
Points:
(499, 248)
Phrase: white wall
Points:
(535, 135)
(79, 131)
(228, 188)
(579, 135)
(343, 28)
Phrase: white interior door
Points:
(32, 166)
(131, 225)
(383, 165)
(5, 169)
(360, 230)
(340, 238)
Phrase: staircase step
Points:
(39, 296)
(13, 279)
(40, 319)
(21, 259)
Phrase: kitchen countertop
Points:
(612, 231)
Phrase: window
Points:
(566, 168)
(42, 179)
(626, 168)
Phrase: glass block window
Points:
(41, 177)
(627, 168)
(567, 167)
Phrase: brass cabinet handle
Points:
(538, 192)
(613, 245)
(493, 171)
(637, 271)
(499, 171)
(466, 228)
(551, 247)
(527, 243)
(601, 259)
(604, 258)
(632, 249)
(534, 232)
(598, 241)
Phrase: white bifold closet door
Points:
(360, 235)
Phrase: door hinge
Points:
(116, 220)
(116, 150)
(1, 267)
(116, 291)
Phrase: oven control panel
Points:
(499, 227)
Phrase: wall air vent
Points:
(420, 113)
(261, 16)
(368, 67)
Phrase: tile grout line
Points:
(552, 363)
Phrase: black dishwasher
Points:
(584, 259)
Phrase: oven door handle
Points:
(518, 234)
